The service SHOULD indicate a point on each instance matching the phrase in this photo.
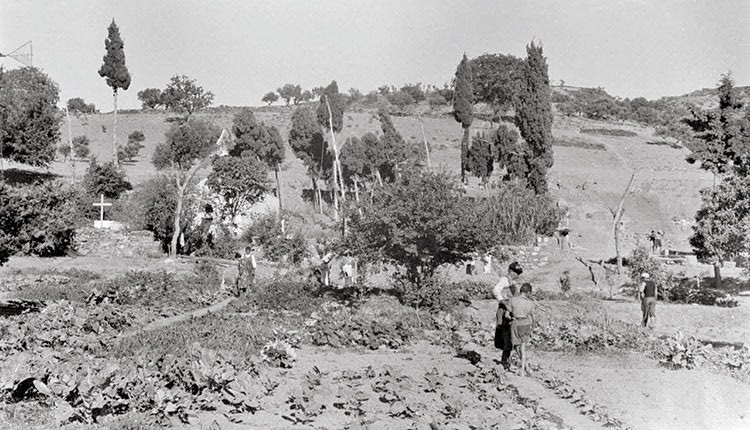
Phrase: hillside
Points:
(665, 193)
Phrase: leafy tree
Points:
(415, 91)
(400, 99)
(241, 181)
(384, 90)
(29, 119)
(497, 79)
(64, 150)
(722, 224)
(290, 92)
(481, 161)
(718, 142)
(355, 95)
(463, 106)
(391, 151)
(307, 96)
(105, 178)
(417, 223)
(184, 96)
(151, 98)
(37, 219)
(78, 105)
(510, 153)
(318, 91)
(186, 149)
(331, 116)
(133, 147)
(81, 147)
(270, 98)
(356, 165)
(436, 100)
(307, 143)
(115, 72)
(534, 118)
(262, 141)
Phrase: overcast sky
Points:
(242, 49)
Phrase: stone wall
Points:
(122, 244)
(539, 255)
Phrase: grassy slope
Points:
(590, 182)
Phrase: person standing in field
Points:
(246, 266)
(514, 271)
(647, 293)
(502, 326)
(522, 311)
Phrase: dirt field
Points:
(568, 389)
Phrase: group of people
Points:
(514, 317)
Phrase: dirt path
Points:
(165, 322)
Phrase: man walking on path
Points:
(246, 272)
(647, 294)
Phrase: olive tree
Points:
(187, 148)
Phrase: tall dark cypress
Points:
(115, 72)
(463, 107)
(534, 117)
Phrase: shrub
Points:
(81, 147)
(37, 219)
(682, 352)
(515, 215)
(609, 132)
(640, 261)
(151, 207)
(267, 230)
(105, 178)
(285, 293)
(578, 143)
(431, 293)
(418, 222)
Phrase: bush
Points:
(681, 352)
(105, 178)
(267, 230)
(37, 219)
(81, 147)
(433, 293)
(151, 207)
(286, 293)
(515, 215)
(640, 261)
(609, 132)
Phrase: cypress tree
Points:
(463, 107)
(116, 73)
(534, 117)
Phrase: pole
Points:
(70, 143)
(424, 138)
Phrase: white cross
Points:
(101, 206)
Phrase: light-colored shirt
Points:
(497, 291)
(520, 307)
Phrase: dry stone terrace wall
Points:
(120, 244)
(536, 256)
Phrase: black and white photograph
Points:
(374, 214)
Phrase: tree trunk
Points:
(278, 188)
(114, 134)
(177, 216)
(379, 178)
(315, 192)
(464, 151)
(426, 146)
(717, 274)
(618, 256)
(337, 164)
(70, 143)
(356, 190)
